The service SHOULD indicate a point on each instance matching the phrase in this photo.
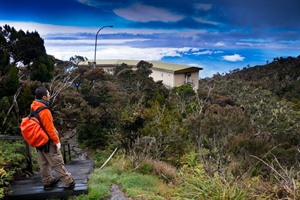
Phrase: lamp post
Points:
(96, 42)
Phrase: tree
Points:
(26, 49)
(10, 82)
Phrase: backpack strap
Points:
(35, 114)
(37, 111)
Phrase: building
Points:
(170, 74)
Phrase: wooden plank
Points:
(38, 193)
(32, 188)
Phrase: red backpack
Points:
(32, 131)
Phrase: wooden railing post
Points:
(29, 158)
(64, 152)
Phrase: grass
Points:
(138, 184)
(133, 184)
(156, 180)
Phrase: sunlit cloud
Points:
(220, 44)
(233, 58)
(142, 13)
(50, 30)
(205, 21)
(207, 52)
(97, 3)
(203, 6)
(44, 29)
(64, 52)
(50, 42)
(155, 54)
(186, 49)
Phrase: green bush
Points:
(4, 182)
(13, 162)
(93, 136)
(184, 90)
(197, 184)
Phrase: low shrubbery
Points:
(13, 163)
(151, 179)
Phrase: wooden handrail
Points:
(11, 137)
(65, 148)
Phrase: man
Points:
(49, 155)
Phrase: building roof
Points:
(176, 68)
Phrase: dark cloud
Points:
(258, 14)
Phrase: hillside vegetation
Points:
(237, 137)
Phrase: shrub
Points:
(13, 163)
(197, 184)
(160, 168)
(4, 182)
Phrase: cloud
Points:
(142, 13)
(97, 3)
(44, 29)
(109, 49)
(127, 52)
(220, 44)
(203, 6)
(207, 52)
(51, 42)
(205, 21)
(233, 58)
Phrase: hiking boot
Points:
(71, 186)
(51, 185)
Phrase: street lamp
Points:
(96, 42)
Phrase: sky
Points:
(216, 35)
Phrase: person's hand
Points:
(58, 145)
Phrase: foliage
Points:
(274, 121)
(13, 163)
(169, 135)
(10, 82)
(4, 182)
(196, 184)
(92, 135)
(27, 49)
(184, 90)
(13, 158)
(158, 168)
(42, 69)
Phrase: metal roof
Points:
(158, 65)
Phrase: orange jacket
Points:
(46, 120)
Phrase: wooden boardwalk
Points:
(32, 188)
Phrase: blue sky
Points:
(217, 35)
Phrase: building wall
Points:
(193, 79)
(179, 79)
(166, 77)
(171, 80)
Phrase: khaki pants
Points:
(53, 160)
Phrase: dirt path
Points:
(79, 154)
(117, 194)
